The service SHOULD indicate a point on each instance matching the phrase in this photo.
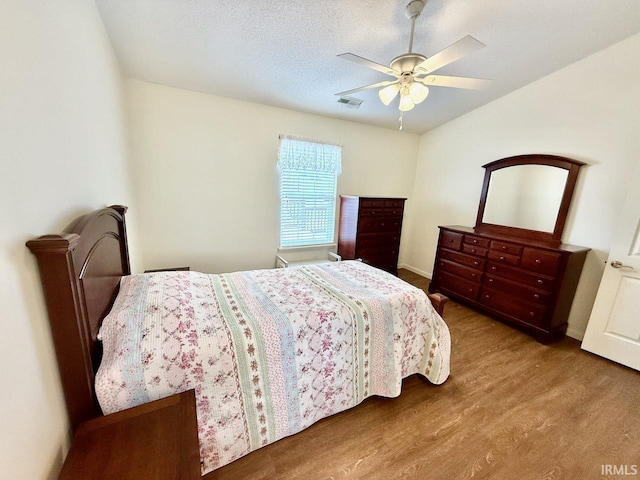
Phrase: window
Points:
(308, 176)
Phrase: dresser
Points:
(369, 229)
(527, 283)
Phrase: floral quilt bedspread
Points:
(268, 352)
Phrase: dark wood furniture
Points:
(80, 271)
(156, 440)
(525, 277)
(170, 269)
(526, 283)
(370, 230)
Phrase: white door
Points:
(614, 326)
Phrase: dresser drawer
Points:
(454, 284)
(371, 203)
(504, 258)
(393, 211)
(476, 241)
(379, 240)
(390, 224)
(540, 261)
(460, 270)
(473, 250)
(517, 290)
(379, 224)
(450, 240)
(538, 282)
(504, 247)
(467, 260)
(397, 204)
(385, 261)
(525, 312)
(372, 212)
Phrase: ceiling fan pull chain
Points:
(400, 120)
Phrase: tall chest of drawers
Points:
(370, 229)
(529, 284)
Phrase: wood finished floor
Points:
(512, 409)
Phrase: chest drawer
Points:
(457, 285)
(538, 282)
(379, 224)
(505, 258)
(476, 241)
(473, 250)
(394, 203)
(525, 312)
(460, 270)
(540, 261)
(366, 203)
(516, 290)
(379, 240)
(505, 247)
(450, 240)
(468, 260)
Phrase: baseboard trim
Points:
(575, 333)
(415, 270)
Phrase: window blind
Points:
(308, 179)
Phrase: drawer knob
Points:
(473, 275)
(540, 281)
(451, 240)
(494, 268)
(536, 296)
(475, 241)
(476, 263)
(471, 290)
(502, 259)
(487, 297)
(473, 250)
(491, 280)
(532, 314)
(504, 247)
(538, 261)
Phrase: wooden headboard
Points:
(80, 271)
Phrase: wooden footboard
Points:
(438, 301)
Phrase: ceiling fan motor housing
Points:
(407, 63)
(414, 8)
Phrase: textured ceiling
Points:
(283, 53)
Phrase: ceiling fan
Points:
(412, 71)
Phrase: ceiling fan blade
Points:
(456, 82)
(368, 63)
(450, 54)
(366, 87)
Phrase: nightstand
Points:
(172, 269)
(156, 440)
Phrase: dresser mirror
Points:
(527, 196)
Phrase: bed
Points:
(268, 352)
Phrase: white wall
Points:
(589, 111)
(63, 151)
(206, 178)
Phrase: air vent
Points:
(350, 102)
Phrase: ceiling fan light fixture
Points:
(418, 92)
(387, 94)
(406, 102)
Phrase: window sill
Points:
(308, 248)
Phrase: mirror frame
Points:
(569, 164)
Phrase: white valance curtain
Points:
(310, 155)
